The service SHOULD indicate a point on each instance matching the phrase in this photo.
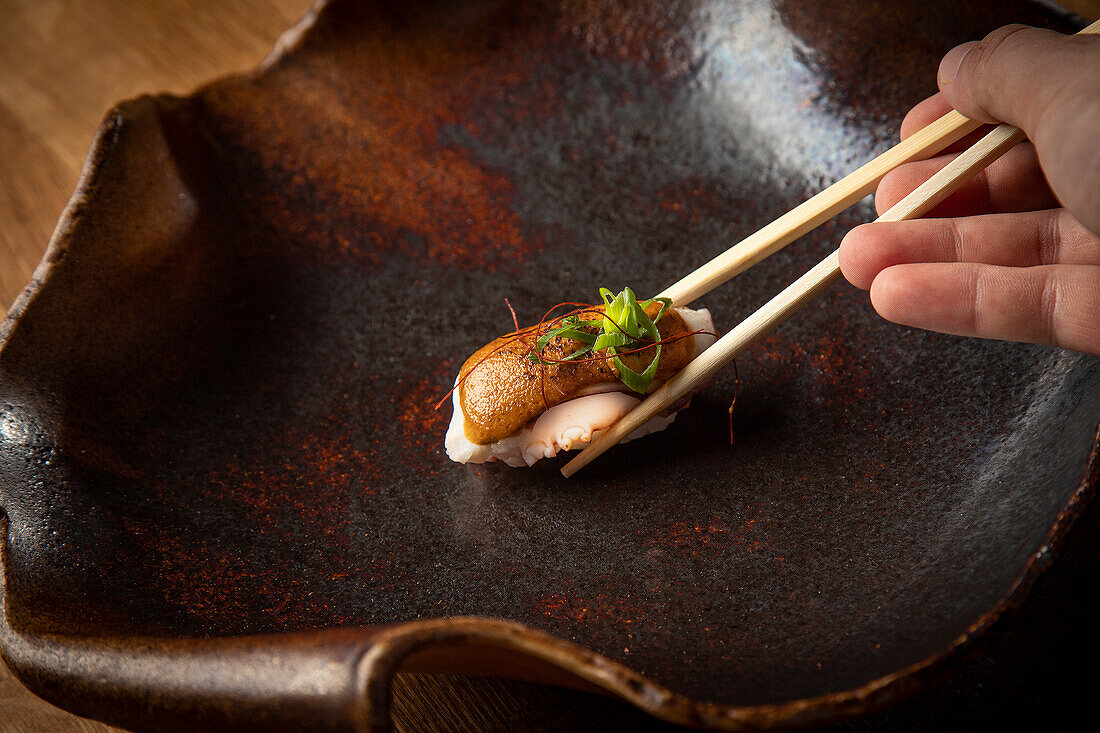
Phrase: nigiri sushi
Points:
(554, 386)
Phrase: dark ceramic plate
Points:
(226, 498)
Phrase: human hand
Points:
(1014, 254)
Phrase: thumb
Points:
(1047, 85)
(1016, 73)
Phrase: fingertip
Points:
(923, 114)
(856, 261)
(910, 294)
(933, 296)
(888, 292)
(954, 89)
(849, 261)
(894, 186)
(952, 62)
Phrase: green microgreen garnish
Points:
(624, 327)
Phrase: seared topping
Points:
(514, 379)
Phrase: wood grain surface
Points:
(63, 63)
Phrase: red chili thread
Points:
(736, 390)
(513, 312)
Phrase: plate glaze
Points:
(222, 476)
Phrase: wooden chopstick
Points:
(796, 295)
(822, 207)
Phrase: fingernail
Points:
(949, 67)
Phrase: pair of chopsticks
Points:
(948, 129)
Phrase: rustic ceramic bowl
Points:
(223, 485)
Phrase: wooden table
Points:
(63, 63)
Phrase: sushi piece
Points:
(556, 385)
